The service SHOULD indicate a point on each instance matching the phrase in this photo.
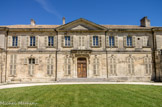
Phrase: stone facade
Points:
(80, 49)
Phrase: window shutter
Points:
(98, 65)
(63, 37)
(9, 41)
(36, 41)
(15, 57)
(144, 41)
(100, 41)
(80, 41)
(19, 41)
(83, 42)
(125, 41)
(116, 41)
(46, 41)
(36, 61)
(28, 40)
(25, 61)
(133, 41)
(30, 69)
(107, 41)
(71, 40)
(55, 41)
(90, 41)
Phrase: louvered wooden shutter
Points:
(107, 41)
(71, 40)
(55, 41)
(9, 41)
(28, 40)
(37, 61)
(125, 41)
(62, 41)
(90, 41)
(19, 41)
(37, 41)
(144, 41)
(116, 41)
(25, 61)
(80, 41)
(83, 41)
(133, 41)
(100, 41)
(98, 65)
(46, 41)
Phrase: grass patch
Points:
(83, 96)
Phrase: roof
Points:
(125, 27)
(55, 26)
(31, 26)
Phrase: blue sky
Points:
(113, 12)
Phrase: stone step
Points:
(84, 80)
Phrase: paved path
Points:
(4, 86)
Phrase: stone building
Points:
(80, 50)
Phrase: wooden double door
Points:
(82, 67)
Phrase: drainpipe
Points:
(153, 53)
(56, 57)
(6, 55)
(106, 56)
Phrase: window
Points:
(81, 42)
(50, 41)
(31, 61)
(111, 41)
(14, 40)
(130, 62)
(31, 66)
(67, 66)
(32, 41)
(13, 65)
(148, 65)
(96, 65)
(112, 65)
(50, 66)
(67, 40)
(95, 40)
(129, 41)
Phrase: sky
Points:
(110, 12)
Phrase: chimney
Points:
(145, 22)
(63, 20)
(32, 22)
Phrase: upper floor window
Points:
(67, 40)
(14, 40)
(111, 41)
(50, 41)
(31, 61)
(32, 41)
(95, 40)
(129, 41)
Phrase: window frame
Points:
(32, 41)
(14, 41)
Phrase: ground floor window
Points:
(50, 66)
(130, 62)
(112, 65)
(67, 66)
(13, 65)
(148, 65)
(96, 66)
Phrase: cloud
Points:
(45, 5)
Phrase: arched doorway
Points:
(82, 68)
